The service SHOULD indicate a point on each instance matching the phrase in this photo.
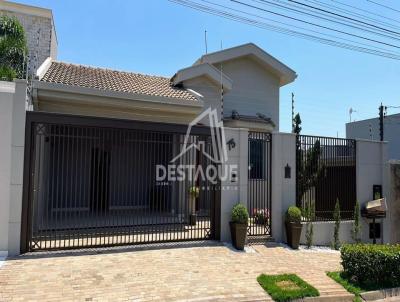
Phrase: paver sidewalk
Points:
(207, 273)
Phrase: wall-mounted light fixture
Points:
(288, 171)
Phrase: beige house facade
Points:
(83, 150)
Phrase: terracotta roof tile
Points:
(120, 81)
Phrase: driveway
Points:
(204, 273)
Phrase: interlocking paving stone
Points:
(206, 273)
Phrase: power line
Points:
(352, 13)
(341, 22)
(317, 25)
(282, 30)
(297, 27)
(366, 11)
(385, 6)
(342, 16)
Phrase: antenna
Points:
(205, 40)
(351, 111)
(222, 90)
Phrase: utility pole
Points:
(292, 112)
(381, 117)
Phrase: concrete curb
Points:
(381, 294)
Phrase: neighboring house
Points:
(369, 129)
(39, 28)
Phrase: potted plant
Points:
(193, 195)
(238, 225)
(293, 226)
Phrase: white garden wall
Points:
(234, 190)
(12, 125)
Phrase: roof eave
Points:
(199, 70)
(69, 89)
(285, 73)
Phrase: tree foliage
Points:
(356, 229)
(297, 124)
(337, 218)
(308, 169)
(13, 48)
(309, 215)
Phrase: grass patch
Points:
(286, 287)
(351, 286)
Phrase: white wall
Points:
(234, 192)
(12, 125)
(254, 89)
(372, 169)
(6, 105)
(209, 90)
(391, 126)
(323, 232)
(283, 189)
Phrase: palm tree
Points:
(13, 48)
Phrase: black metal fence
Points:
(101, 182)
(259, 183)
(325, 173)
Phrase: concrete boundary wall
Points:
(234, 190)
(372, 169)
(283, 189)
(394, 206)
(12, 126)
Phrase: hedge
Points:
(369, 264)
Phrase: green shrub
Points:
(356, 229)
(240, 214)
(293, 214)
(369, 264)
(336, 217)
(309, 214)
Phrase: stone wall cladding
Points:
(38, 53)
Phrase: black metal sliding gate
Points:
(325, 173)
(259, 184)
(92, 182)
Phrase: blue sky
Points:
(159, 37)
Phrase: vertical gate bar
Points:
(78, 182)
(47, 192)
(103, 208)
(145, 196)
(25, 217)
(132, 170)
(52, 147)
(126, 185)
(112, 199)
(97, 233)
(88, 190)
(36, 226)
(82, 185)
(140, 185)
(151, 199)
